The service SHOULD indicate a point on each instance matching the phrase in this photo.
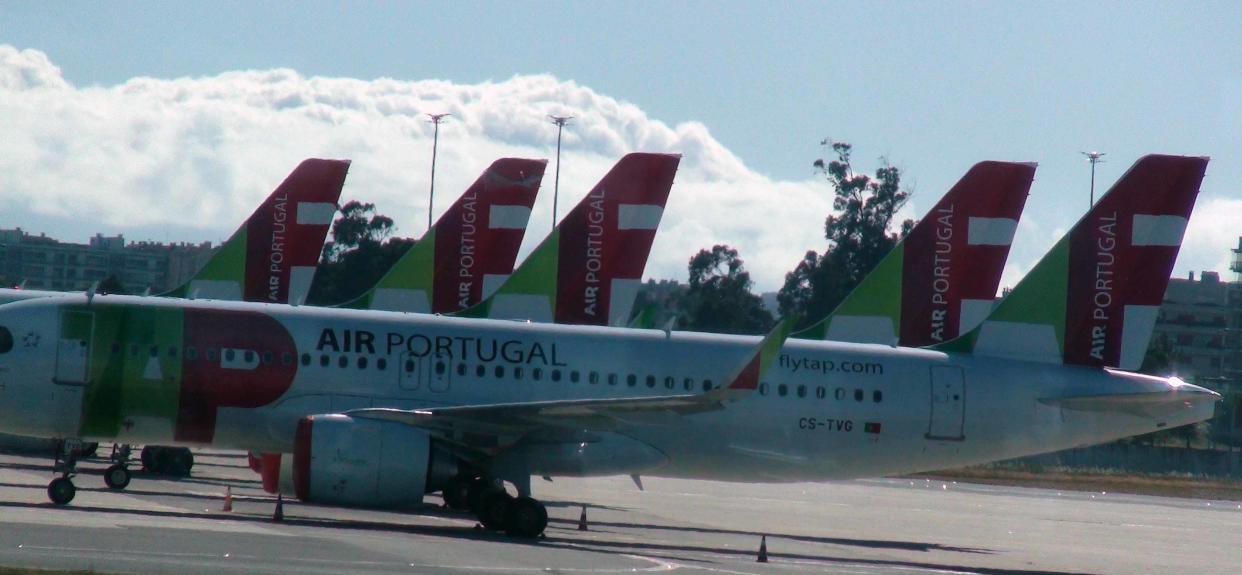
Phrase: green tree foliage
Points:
(358, 255)
(719, 299)
(857, 232)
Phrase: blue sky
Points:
(934, 87)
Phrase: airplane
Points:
(589, 269)
(271, 257)
(941, 279)
(470, 250)
(376, 408)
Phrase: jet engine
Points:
(342, 460)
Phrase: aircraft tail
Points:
(589, 269)
(272, 257)
(469, 251)
(940, 280)
(1094, 298)
(746, 380)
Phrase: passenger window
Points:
(116, 347)
(155, 351)
(480, 370)
(536, 374)
(876, 396)
(858, 395)
(650, 381)
(229, 355)
(688, 384)
(573, 376)
(286, 358)
(305, 358)
(631, 380)
(461, 369)
(670, 382)
(249, 356)
(707, 385)
(342, 362)
(593, 377)
(381, 364)
(211, 354)
(172, 351)
(782, 389)
(612, 379)
(362, 362)
(191, 353)
(556, 375)
(839, 394)
(763, 389)
(517, 373)
(324, 361)
(820, 392)
(441, 368)
(409, 366)
(500, 371)
(267, 358)
(801, 391)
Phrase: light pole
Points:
(560, 122)
(435, 143)
(1094, 158)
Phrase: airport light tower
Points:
(560, 122)
(1094, 158)
(436, 119)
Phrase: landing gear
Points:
(525, 518)
(457, 493)
(117, 476)
(61, 490)
(494, 509)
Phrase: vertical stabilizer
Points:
(272, 257)
(588, 270)
(470, 249)
(1093, 299)
(942, 278)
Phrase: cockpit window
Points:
(6, 340)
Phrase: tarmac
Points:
(164, 525)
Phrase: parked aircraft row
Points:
(425, 383)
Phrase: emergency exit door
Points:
(73, 352)
(948, 401)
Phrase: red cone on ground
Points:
(279, 514)
(582, 522)
(763, 550)
(228, 500)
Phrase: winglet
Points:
(747, 378)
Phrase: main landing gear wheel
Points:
(476, 489)
(117, 477)
(61, 491)
(525, 518)
(457, 494)
(495, 510)
(175, 461)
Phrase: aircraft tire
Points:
(478, 487)
(495, 510)
(180, 461)
(525, 518)
(117, 477)
(457, 494)
(147, 457)
(61, 491)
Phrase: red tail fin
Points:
(285, 235)
(477, 239)
(606, 238)
(954, 257)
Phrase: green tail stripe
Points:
(878, 295)
(770, 348)
(228, 264)
(414, 271)
(537, 275)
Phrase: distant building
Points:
(1200, 321)
(41, 262)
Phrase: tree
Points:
(719, 299)
(857, 232)
(359, 254)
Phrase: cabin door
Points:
(73, 347)
(948, 400)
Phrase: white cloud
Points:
(195, 155)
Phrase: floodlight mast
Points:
(560, 122)
(436, 119)
(1094, 158)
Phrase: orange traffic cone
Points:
(279, 514)
(763, 550)
(228, 499)
(582, 522)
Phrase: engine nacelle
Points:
(342, 460)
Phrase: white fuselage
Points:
(824, 410)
